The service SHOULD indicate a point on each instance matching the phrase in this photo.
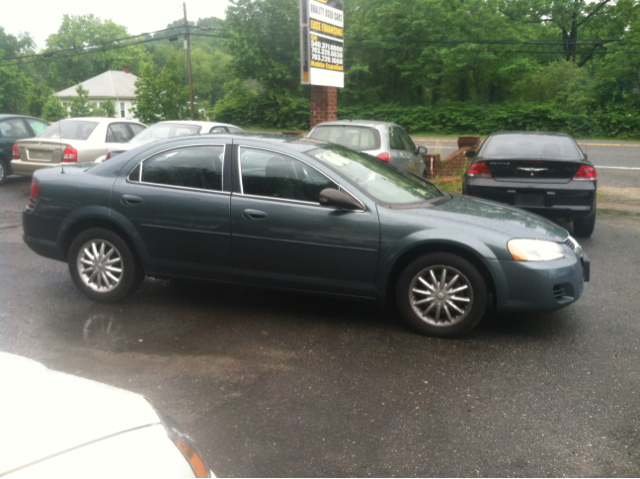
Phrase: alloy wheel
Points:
(100, 265)
(441, 295)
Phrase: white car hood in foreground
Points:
(58, 425)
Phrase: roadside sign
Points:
(322, 42)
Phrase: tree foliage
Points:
(161, 95)
(53, 110)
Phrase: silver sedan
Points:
(74, 140)
(386, 141)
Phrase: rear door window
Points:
(407, 142)
(118, 133)
(271, 174)
(37, 126)
(198, 167)
(136, 129)
(14, 128)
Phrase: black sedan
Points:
(303, 215)
(13, 128)
(546, 173)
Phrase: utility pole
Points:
(187, 46)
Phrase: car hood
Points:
(44, 412)
(506, 219)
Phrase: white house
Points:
(117, 85)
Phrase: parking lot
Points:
(275, 384)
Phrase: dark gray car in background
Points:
(546, 173)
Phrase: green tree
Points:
(161, 95)
(107, 109)
(38, 96)
(561, 82)
(77, 33)
(53, 109)
(79, 106)
(264, 42)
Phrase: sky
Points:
(41, 18)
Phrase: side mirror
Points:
(333, 198)
(422, 150)
(470, 154)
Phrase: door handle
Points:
(129, 200)
(254, 214)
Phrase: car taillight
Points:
(586, 173)
(33, 195)
(35, 189)
(70, 155)
(108, 157)
(479, 170)
(16, 152)
(384, 157)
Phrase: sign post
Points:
(322, 55)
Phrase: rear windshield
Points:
(69, 130)
(358, 138)
(531, 146)
(164, 131)
(381, 182)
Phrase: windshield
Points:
(69, 130)
(531, 146)
(162, 131)
(381, 182)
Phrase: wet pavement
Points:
(275, 384)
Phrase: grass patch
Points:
(450, 184)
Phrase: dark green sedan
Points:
(301, 215)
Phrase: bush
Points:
(282, 110)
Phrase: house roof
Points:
(110, 84)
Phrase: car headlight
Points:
(534, 250)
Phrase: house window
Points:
(122, 110)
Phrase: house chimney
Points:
(125, 68)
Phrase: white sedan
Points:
(74, 140)
(173, 129)
(54, 424)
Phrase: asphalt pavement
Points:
(275, 384)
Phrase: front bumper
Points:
(542, 286)
(575, 199)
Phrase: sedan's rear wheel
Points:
(441, 294)
(102, 266)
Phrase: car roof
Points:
(5, 116)
(297, 143)
(368, 123)
(100, 119)
(193, 122)
(532, 133)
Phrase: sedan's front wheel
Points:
(102, 266)
(441, 294)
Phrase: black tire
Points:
(467, 293)
(4, 171)
(583, 227)
(116, 273)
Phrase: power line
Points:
(60, 54)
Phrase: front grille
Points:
(563, 292)
(571, 243)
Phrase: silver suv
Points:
(386, 141)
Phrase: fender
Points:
(423, 239)
(107, 215)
